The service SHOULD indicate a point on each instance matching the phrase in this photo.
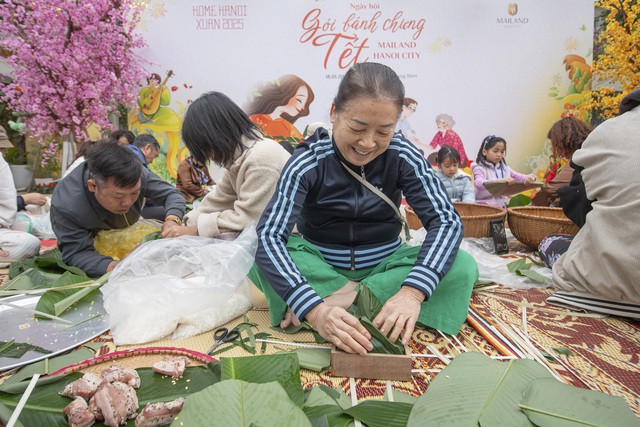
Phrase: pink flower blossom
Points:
(73, 61)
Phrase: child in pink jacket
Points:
(491, 166)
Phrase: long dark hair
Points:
(487, 143)
(278, 93)
(213, 129)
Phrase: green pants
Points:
(446, 309)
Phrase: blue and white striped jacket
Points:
(350, 225)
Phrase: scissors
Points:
(223, 335)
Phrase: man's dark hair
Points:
(117, 134)
(145, 139)
(213, 129)
(114, 161)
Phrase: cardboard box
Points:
(374, 366)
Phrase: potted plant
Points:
(48, 165)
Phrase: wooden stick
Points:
(571, 370)
(424, 371)
(533, 352)
(449, 341)
(435, 356)
(86, 284)
(390, 390)
(472, 342)
(437, 353)
(23, 401)
(548, 310)
(455, 337)
(354, 398)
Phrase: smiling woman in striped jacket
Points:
(350, 236)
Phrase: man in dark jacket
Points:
(106, 192)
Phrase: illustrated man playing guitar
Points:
(154, 95)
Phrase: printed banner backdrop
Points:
(509, 69)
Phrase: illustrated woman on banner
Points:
(276, 107)
(155, 117)
(408, 108)
(447, 136)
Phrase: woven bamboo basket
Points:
(531, 224)
(475, 218)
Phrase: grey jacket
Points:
(459, 188)
(76, 216)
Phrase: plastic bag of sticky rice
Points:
(177, 288)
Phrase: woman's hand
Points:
(400, 313)
(176, 231)
(340, 328)
(34, 199)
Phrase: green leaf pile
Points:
(474, 390)
(522, 267)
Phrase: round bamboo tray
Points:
(531, 224)
(475, 218)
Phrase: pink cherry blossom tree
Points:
(74, 61)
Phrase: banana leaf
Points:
(332, 420)
(366, 307)
(292, 329)
(366, 304)
(239, 403)
(314, 359)
(324, 406)
(519, 264)
(151, 237)
(476, 390)
(522, 267)
(399, 396)
(31, 279)
(56, 302)
(5, 415)
(502, 188)
(378, 413)
(338, 395)
(50, 262)
(16, 383)
(380, 342)
(534, 275)
(519, 200)
(18, 349)
(282, 367)
(551, 403)
(45, 405)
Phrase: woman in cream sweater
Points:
(215, 129)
